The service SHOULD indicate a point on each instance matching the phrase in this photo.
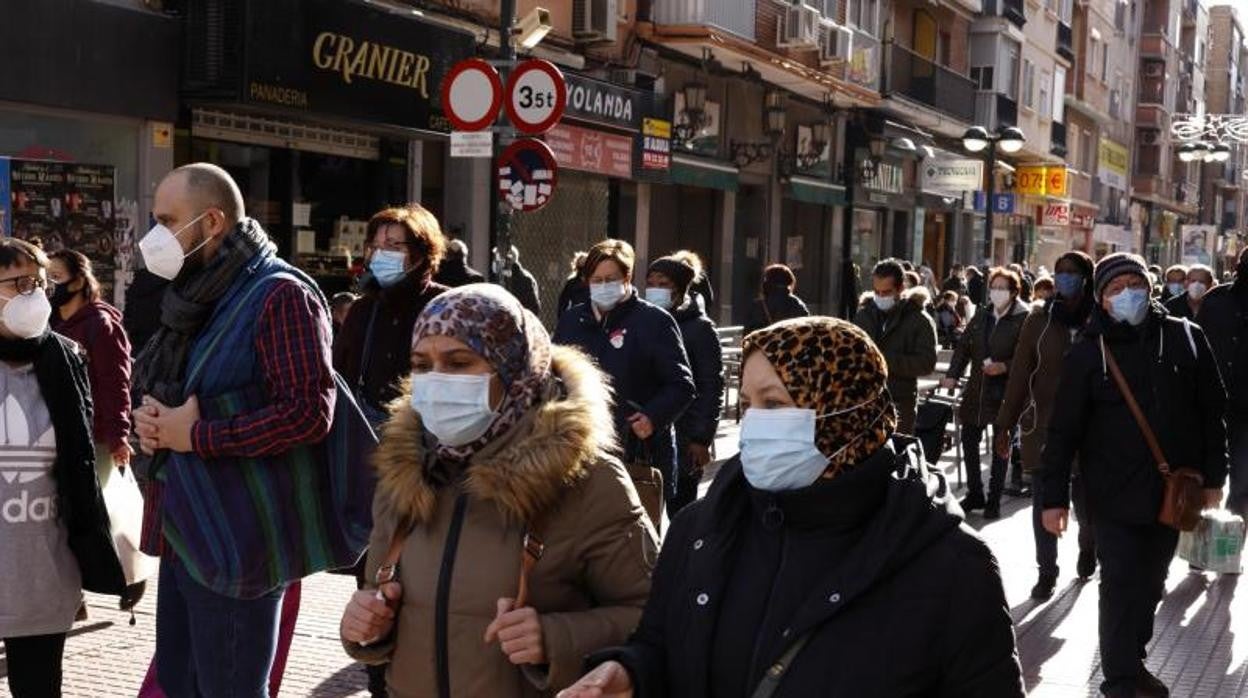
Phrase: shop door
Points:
(934, 243)
(748, 270)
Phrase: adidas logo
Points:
(23, 509)
(27, 459)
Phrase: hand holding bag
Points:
(1184, 497)
(125, 516)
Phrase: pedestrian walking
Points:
(504, 454)
(701, 290)
(1170, 371)
(1175, 283)
(639, 346)
(899, 326)
(454, 271)
(405, 247)
(987, 346)
(777, 301)
(1031, 399)
(1043, 290)
(238, 399)
(820, 561)
(669, 285)
(520, 282)
(1224, 316)
(976, 286)
(949, 324)
(575, 291)
(1199, 281)
(955, 282)
(54, 533)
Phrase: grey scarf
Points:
(186, 307)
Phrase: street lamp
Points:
(977, 139)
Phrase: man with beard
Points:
(236, 381)
(1224, 316)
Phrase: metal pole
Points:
(988, 212)
(502, 215)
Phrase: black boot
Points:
(973, 500)
(1086, 567)
(1148, 685)
(1043, 590)
(992, 508)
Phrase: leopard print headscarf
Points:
(830, 365)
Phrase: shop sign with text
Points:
(617, 106)
(1038, 180)
(1112, 162)
(951, 177)
(1055, 214)
(592, 151)
(656, 144)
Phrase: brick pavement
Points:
(1200, 647)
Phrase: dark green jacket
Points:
(984, 394)
(907, 337)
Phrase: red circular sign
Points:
(527, 174)
(536, 96)
(472, 94)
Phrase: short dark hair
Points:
(79, 267)
(777, 276)
(15, 251)
(890, 269)
(1044, 283)
(914, 278)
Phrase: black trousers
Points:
(972, 437)
(1046, 543)
(34, 665)
(681, 487)
(1134, 562)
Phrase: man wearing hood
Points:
(1169, 367)
(902, 329)
(1224, 317)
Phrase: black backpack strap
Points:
(770, 682)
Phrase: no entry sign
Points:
(472, 94)
(536, 96)
(527, 174)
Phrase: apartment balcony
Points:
(1153, 91)
(1057, 139)
(1012, 10)
(1065, 41)
(1155, 45)
(919, 79)
(995, 110)
(735, 16)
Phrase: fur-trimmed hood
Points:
(524, 471)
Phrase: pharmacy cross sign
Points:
(527, 175)
(1213, 128)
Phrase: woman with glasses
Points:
(54, 532)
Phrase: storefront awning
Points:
(696, 172)
(813, 191)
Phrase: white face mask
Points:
(661, 297)
(1196, 290)
(778, 451)
(454, 408)
(885, 303)
(161, 252)
(606, 296)
(27, 316)
(1000, 298)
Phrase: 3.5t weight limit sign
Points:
(536, 96)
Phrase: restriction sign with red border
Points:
(527, 174)
(536, 96)
(472, 95)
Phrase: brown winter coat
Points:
(1034, 376)
(983, 395)
(590, 584)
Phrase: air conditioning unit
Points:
(594, 21)
(798, 28)
(1148, 137)
(835, 44)
(1154, 69)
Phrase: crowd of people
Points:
(520, 506)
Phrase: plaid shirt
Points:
(293, 348)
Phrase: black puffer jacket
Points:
(1224, 317)
(984, 393)
(1180, 393)
(900, 598)
(701, 420)
(772, 308)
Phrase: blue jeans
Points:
(212, 645)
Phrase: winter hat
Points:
(1117, 264)
(832, 367)
(675, 269)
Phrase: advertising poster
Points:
(1198, 242)
(66, 205)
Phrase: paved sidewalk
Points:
(1196, 649)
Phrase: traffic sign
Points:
(472, 94)
(536, 96)
(527, 174)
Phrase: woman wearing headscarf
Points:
(826, 558)
(520, 543)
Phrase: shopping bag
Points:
(1216, 544)
(124, 502)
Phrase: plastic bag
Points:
(125, 515)
(1217, 544)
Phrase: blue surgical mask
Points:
(388, 266)
(1068, 284)
(885, 303)
(606, 296)
(1175, 289)
(661, 297)
(1129, 306)
(778, 451)
(454, 408)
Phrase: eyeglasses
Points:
(25, 285)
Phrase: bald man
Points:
(235, 384)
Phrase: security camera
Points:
(532, 28)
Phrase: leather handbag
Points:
(648, 482)
(1184, 496)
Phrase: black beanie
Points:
(677, 270)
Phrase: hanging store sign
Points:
(341, 58)
(527, 175)
(1112, 163)
(656, 144)
(592, 151)
(1055, 214)
(951, 177)
(1198, 243)
(606, 103)
(1055, 181)
(1038, 180)
(1001, 203)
